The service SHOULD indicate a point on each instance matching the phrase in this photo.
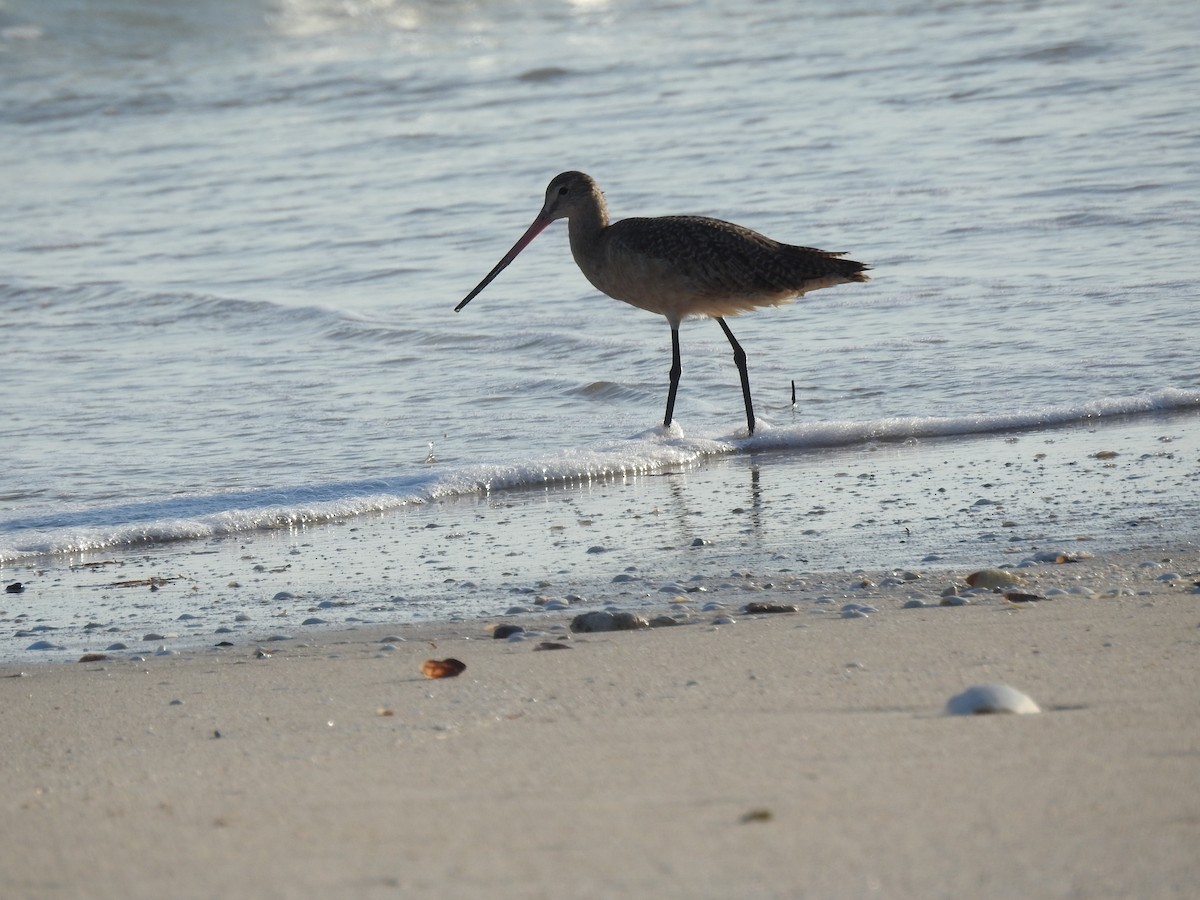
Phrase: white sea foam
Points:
(655, 451)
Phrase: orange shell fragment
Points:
(442, 668)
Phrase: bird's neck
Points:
(585, 228)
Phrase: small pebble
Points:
(1019, 597)
(501, 632)
(994, 578)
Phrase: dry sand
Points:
(790, 755)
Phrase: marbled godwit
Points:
(680, 266)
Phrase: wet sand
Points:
(790, 754)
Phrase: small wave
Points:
(655, 451)
(898, 428)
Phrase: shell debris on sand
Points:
(442, 668)
(984, 699)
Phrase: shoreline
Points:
(940, 505)
(784, 754)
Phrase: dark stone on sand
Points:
(601, 620)
(504, 631)
(763, 607)
(15, 588)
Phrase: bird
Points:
(680, 267)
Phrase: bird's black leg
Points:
(676, 371)
(739, 358)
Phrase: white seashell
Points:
(981, 699)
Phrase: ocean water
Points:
(235, 233)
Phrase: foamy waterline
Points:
(153, 521)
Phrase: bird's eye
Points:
(562, 191)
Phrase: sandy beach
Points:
(803, 754)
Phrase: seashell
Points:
(385, 711)
(993, 579)
(45, 645)
(1073, 557)
(983, 699)
(442, 668)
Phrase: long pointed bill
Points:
(533, 231)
